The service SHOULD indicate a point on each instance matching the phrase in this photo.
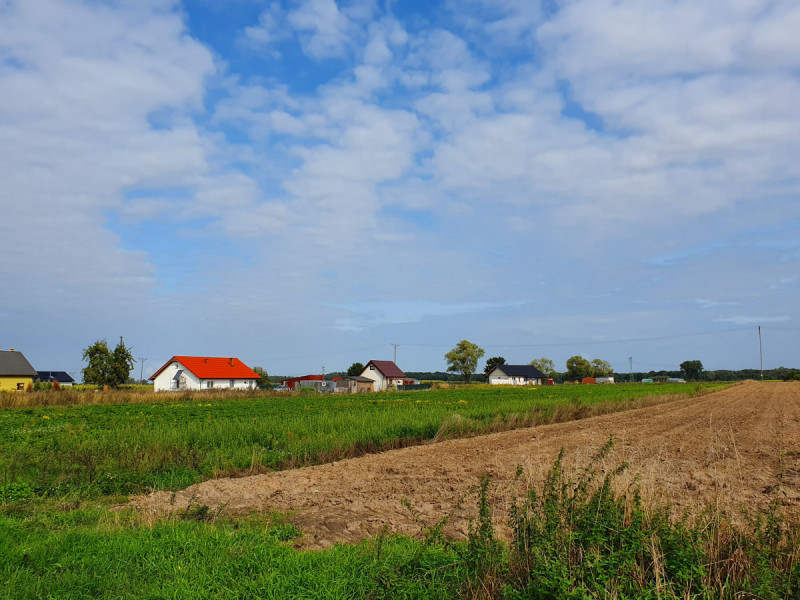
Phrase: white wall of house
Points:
(497, 377)
(379, 381)
(176, 377)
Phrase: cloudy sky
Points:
(303, 183)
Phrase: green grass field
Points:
(87, 451)
(63, 466)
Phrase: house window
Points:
(210, 384)
(372, 367)
(20, 387)
(231, 385)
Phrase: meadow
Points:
(64, 466)
(142, 442)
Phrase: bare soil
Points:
(736, 448)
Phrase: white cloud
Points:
(748, 320)
(325, 31)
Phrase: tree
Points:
(601, 368)
(106, 367)
(464, 359)
(545, 365)
(263, 377)
(493, 362)
(355, 369)
(577, 366)
(692, 369)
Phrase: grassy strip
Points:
(572, 537)
(119, 449)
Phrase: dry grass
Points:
(67, 397)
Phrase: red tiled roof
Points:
(211, 367)
(386, 367)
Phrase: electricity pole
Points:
(760, 353)
(395, 352)
(630, 366)
(141, 371)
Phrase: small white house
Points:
(203, 373)
(516, 375)
(385, 374)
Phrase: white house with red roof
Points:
(385, 374)
(203, 373)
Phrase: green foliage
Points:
(575, 538)
(464, 359)
(493, 362)
(355, 369)
(601, 368)
(692, 368)
(263, 380)
(546, 366)
(577, 366)
(107, 367)
(15, 492)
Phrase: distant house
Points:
(15, 371)
(354, 385)
(608, 379)
(516, 375)
(204, 373)
(62, 377)
(385, 374)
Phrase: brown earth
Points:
(736, 448)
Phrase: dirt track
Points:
(737, 447)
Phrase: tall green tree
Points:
(601, 368)
(577, 366)
(464, 359)
(491, 363)
(107, 367)
(692, 369)
(263, 377)
(355, 369)
(545, 365)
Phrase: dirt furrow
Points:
(738, 447)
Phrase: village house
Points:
(516, 375)
(62, 377)
(203, 373)
(16, 373)
(385, 374)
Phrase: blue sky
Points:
(302, 184)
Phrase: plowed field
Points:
(738, 447)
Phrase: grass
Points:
(572, 537)
(84, 450)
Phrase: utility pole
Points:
(395, 352)
(760, 353)
(630, 366)
(141, 370)
(323, 371)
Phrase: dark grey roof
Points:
(59, 376)
(14, 364)
(528, 371)
(358, 378)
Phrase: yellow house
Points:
(15, 371)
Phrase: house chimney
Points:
(10, 349)
(230, 361)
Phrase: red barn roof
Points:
(387, 368)
(212, 367)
